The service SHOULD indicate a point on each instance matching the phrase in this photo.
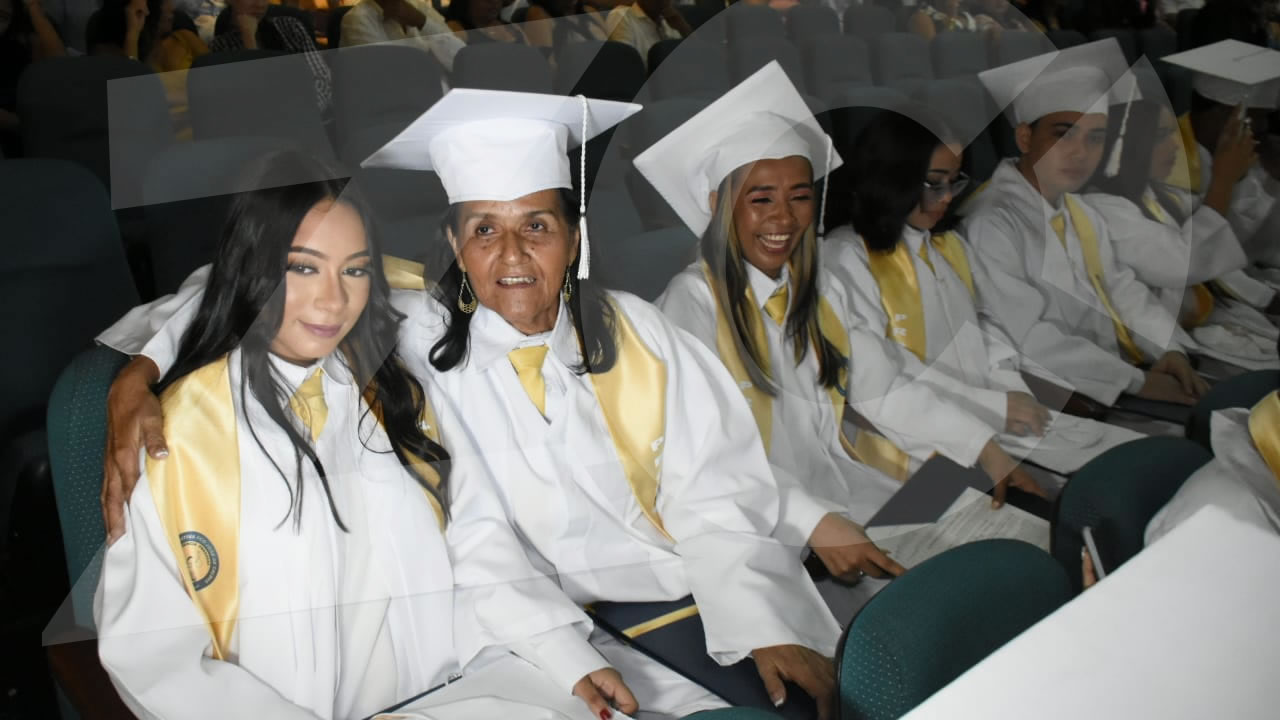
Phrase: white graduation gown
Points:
(805, 442)
(502, 601)
(1236, 480)
(331, 624)
(565, 487)
(1165, 256)
(1043, 297)
(1254, 213)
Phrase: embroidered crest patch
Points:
(202, 558)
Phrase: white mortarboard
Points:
(763, 118)
(1085, 79)
(502, 145)
(1231, 72)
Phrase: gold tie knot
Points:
(527, 362)
(1059, 225)
(308, 403)
(776, 305)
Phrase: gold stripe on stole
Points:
(1186, 166)
(1264, 428)
(951, 248)
(403, 274)
(197, 494)
(760, 401)
(660, 622)
(1093, 266)
(633, 397)
(1201, 294)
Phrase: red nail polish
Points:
(605, 714)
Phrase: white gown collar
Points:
(913, 238)
(492, 338)
(764, 286)
(335, 369)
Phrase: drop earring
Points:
(567, 291)
(466, 306)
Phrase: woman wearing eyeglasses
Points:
(908, 276)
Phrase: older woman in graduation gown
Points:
(623, 451)
(288, 558)
(785, 330)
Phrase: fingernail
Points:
(162, 453)
(778, 700)
(605, 714)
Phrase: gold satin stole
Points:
(899, 285)
(1088, 238)
(196, 490)
(1201, 295)
(760, 401)
(1264, 429)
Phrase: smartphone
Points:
(1091, 546)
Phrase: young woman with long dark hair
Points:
(287, 556)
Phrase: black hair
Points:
(109, 25)
(889, 165)
(1135, 159)
(589, 307)
(243, 306)
(722, 253)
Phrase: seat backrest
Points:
(187, 192)
(868, 22)
(604, 70)
(644, 264)
(70, 110)
(734, 713)
(901, 60)
(333, 26)
(1185, 26)
(692, 68)
(1118, 493)
(257, 93)
(502, 66)
(808, 22)
(747, 22)
(380, 84)
(63, 277)
(747, 57)
(1128, 41)
(1063, 39)
(77, 432)
(836, 62)
(958, 53)
(1241, 391)
(707, 21)
(1157, 42)
(1015, 45)
(223, 23)
(659, 52)
(853, 108)
(941, 618)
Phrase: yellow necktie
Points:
(528, 364)
(308, 403)
(776, 305)
(1156, 211)
(1059, 225)
(924, 255)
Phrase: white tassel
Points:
(1117, 150)
(584, 244)
(826, 185)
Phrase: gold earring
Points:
(567, 291)
(466, 306)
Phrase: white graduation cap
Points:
(501, 145)
(763, 118)
(1233, 72)
(1085, 79)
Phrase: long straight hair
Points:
(1135, 160)
(243, 306)
(589, 307)
(722, 253)
(889, 165)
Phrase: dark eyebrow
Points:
(322, 256)
(761, 188)
(544, 211)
